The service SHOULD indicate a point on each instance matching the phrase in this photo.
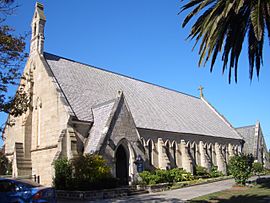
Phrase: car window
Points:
(20, 187)
(7, 186)
(28, 183)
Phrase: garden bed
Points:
(168, 186)
(92, 195)
(122, 192)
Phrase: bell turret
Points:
(38, 24)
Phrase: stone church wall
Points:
(187, 150)
(48, 118)
(12, 134)
(42, 165)
(49, 113)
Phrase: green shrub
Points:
(91, 172)
(155, 179)
(88, 172)
(5, 165)
(165, 176)
(266, 171)
(215, 173)
(187, 176)
(240, 167)
(257, 168)
(201, 172)
(63, 174)
(179, 174)
(149, 178)
(90, 168)
(146, 177)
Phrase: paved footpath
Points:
(173, 196)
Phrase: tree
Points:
(224, 25)
(12, 55)
(5, 165)
(63, 174)
(240, 166)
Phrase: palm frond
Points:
(202, 4)
(222, 28)
(257, 20)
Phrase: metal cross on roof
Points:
(201, 90)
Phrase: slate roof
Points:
(248, 133)
(152, 106)
(101, 113)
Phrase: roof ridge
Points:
(119, 74)
(246, 126)
(222, 117)
(103, 103)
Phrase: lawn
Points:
(255, 193)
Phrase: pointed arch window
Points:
(169, 155)
(167, 148)
(224, 153)
(174, 148)
(210, 153)
(194, 150)
(150, 152)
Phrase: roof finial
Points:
(201, 91)
(119, 93)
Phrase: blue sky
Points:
(144, 40)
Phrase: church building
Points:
(255, 143)
(78, 109)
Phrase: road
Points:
(172, 196)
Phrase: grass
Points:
(255, 193)
(197, 182)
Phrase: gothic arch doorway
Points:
(121, 163)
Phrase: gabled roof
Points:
(253, 137)
(101, 113)
(248, 133)
(152, 106)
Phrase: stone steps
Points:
(132, 190)
(136, 192)
(24, 165)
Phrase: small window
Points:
(35, 30)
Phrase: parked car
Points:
(22, 191)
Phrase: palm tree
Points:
(223, 26)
